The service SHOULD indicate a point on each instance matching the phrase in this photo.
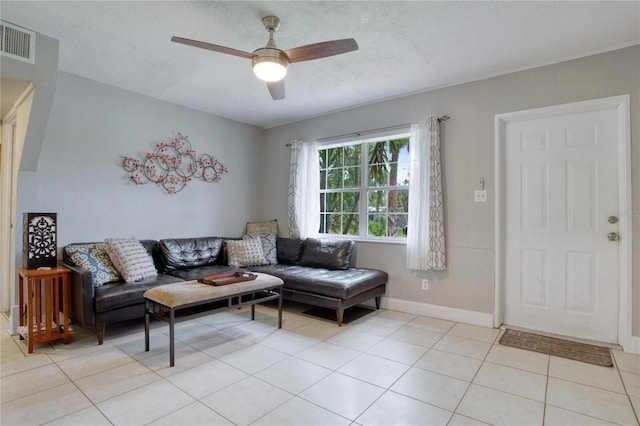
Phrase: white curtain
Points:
(425, 235)
(304, 190)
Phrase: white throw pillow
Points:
(130, 258)
(245, 252)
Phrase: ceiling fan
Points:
(270, 63)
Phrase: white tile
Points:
(458, 366)
(222, 344)
(500, 408)
(631, 383)
(328, 355)
(460, 420)
(512, 380)
(627, 361)
(474, 332)
(296, 412)
(375, 370)
(519, 358)
(435, 325)
(31, 381)
(353, 339)
(293, 375)
(115, 381)
(88, 416)
(376, 327)
(436, 389)
(416, 336)
(394, 350)
(395, 409)
(94, 362)
(23, 363)
(231, 402)
(342, 395)
(207, 378)
(289, 343)
(185, 358)
(395, 316)
(196, 414)
(588, 374)
(591, 401)
(45, 406)
(253, 358)
(318, 329)
(461, 346)
(556, 416)
(145, 404)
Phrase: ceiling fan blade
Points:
(276, 89)
(214, 47)
(321, 50)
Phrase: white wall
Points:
(79, 175)
(468, 154)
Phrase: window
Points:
(364, 188)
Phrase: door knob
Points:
(612, 236)
(612, 219)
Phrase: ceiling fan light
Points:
(270, 68)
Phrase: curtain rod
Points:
(366, 132)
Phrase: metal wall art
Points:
(172, 165)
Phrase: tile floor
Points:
(387, 368)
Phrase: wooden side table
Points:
(47, 298)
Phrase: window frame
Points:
(363, 231)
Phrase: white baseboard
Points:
(635, 345)
(443, 312)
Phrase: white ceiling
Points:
(405, 47)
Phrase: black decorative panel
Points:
(39, 242)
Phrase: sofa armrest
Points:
(81, 296)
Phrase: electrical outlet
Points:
(480, 196)
(425, 284)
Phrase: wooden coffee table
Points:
(196, 299)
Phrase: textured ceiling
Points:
(405, 47)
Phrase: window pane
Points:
(323, 179)
(351, 202)
(333, 202)
(352, 155)
(334, 179)
(351, 224)
(377, 201)
(377, 225)
(334, 157)
(352, 177)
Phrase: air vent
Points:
(17, 43)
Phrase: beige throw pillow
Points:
(130, 258)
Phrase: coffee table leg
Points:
(146, 326)
(253, 311)
(280, 310)
(172, 317)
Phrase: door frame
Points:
(621, 105)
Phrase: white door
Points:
(561, 189)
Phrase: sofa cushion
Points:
(289, 250)
(180, 253)
(130, 258)
(119, 295)
(93, 257)
(193, 274)
(245, 252)
(326, 253)
(268, 242)
(340, 284)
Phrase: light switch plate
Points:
(480, 196)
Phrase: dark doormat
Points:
(350, 314)
(592, 354)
